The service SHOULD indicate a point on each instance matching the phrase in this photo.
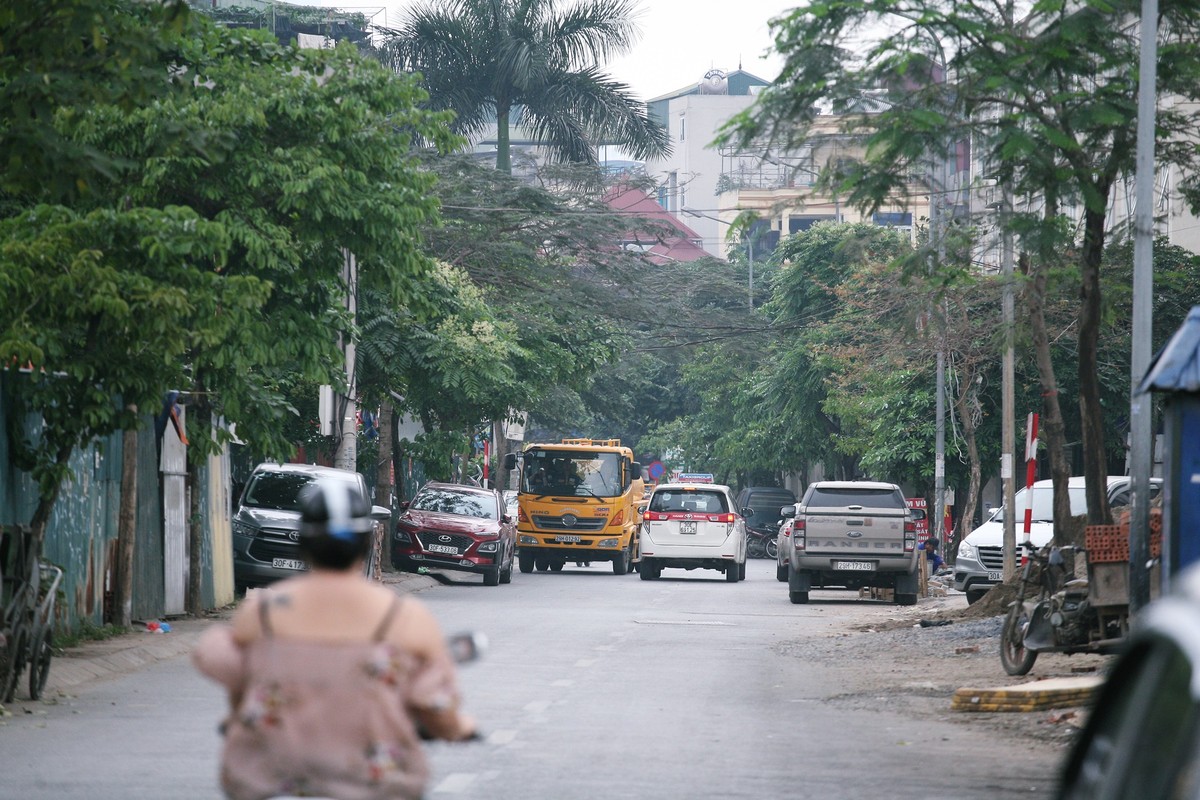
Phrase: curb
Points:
(1034, 696)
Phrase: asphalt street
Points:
(593, 686)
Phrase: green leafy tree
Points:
(305, 160)
(59, 59)
(1048, 101)
(531, 63)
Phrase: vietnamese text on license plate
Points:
(995, 576)
(565, 538)
(441, 548)
(288, 563)
(854, 566)
(687, 526)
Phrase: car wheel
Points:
(506, 573)
(525, 561)
(974, 596)
(556, 566)
(648, 572)
(742, 571)
(798, 598)
(781, 573)
(621, 562)
(732, 570)
(906, 599)
(492, 577)
(543, 563)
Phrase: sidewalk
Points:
(93, 661)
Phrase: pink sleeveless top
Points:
(331, 720)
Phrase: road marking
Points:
(537, 706)
(456, 782)
(502, 737)
(681, 622)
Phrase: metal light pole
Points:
(1140, 424)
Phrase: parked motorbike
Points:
(761, 544)
(1054, 615)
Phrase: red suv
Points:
(456, 527)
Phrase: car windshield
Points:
(276, 490)
(841, 498)
(450, 501)
(766, 506)
(570, 472)
(697, 501)
(1043, 504)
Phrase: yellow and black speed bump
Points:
(1035, 696)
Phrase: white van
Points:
(979, 564)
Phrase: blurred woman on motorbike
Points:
(332, 679)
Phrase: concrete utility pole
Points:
(1141, 429)
(347, 449)
(1008, 401)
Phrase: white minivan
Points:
(693, 526)
(979, 564)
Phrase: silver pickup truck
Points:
(852, 534)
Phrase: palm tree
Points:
(531, 63)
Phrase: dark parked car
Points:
(1142, 740)
(451, 526)
(266, 524)
(761, 505)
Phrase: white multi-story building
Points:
(688, 178)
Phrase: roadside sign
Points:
(922, 525)
(695, 477)
(655, 470)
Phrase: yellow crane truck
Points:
(578, 500)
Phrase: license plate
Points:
(442, 548)
(996, 577)
(854, 566)
(687, 526)
(288, 563)
(567, 539)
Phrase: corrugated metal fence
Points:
(82, 533)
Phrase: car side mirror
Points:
(635, 470)
(787, 512)
(404, 505)
(506, 518)
(380, 513)
(747, 512)
(918, 514)
(510, 461)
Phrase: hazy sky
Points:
(681, 39)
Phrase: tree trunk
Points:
(122, 609)
(966, 517)
(46, 501)
(383, 464)
(1091, 414)
(200, 414)
(1052, 427)
(503, 146)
